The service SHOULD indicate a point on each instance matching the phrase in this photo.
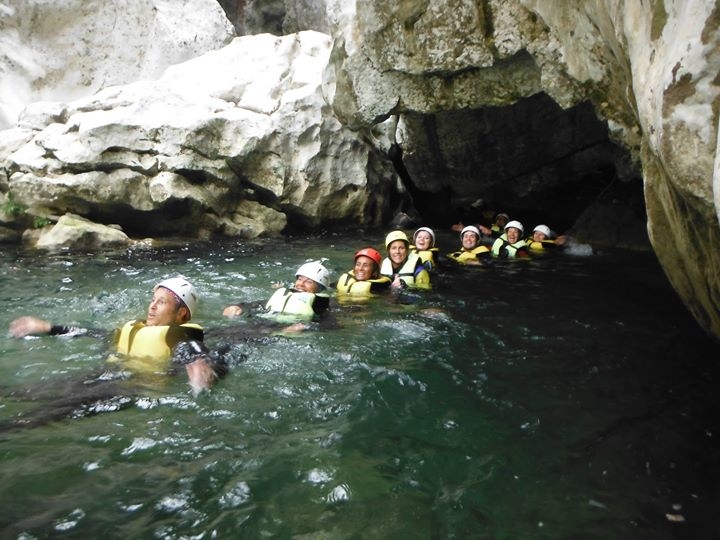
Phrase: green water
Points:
(565, 398)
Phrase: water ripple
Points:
(340, 494)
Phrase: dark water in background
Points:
(567, 397)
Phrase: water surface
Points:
(566, 397)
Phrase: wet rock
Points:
(75, 232)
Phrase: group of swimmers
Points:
(409, 264)
(504, 239)
(167, 339)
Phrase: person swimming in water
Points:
(511, 245)
(403, 267)
(161, 344)
(424, 245)
(300, 305)
(543, 239)
(146, 346)
(364, 279)
(471, 252)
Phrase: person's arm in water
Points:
(241, 308)
(34, 326)
(203, 368)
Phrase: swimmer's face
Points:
(306, 284)
(539, 236)
(398, 252)
(423, 240)
(365, 268)
(513, 235)
(470, 240)
(165, 308)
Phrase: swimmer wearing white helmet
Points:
(471, 252)
(303, 301)
(185, 294)
(312, 277)
(543, 239)
(145, 345)
(511, 244)
(424, 245)
(541, 232)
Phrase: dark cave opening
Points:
(534, 160)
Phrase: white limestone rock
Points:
(247, 122)
(65, 49)
(75, 232)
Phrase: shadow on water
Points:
(566, 397)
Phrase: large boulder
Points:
(201, 149)
(65, 49)
(75, 232)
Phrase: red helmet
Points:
(374, 254)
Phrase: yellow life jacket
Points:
(464, 256)
(289, 305)
(149, 348)
(543, 245)
(502, 248)
(348, 284)
(429, 257)
(412, 272)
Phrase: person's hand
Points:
(561, 240)
(232, 311)
(200, 375)
(28, 326)
(296, 327)
(397, 283)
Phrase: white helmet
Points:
(427, 230)
(183, 290)
(516, 225)
(543, 229)
(470, 228)
(315, 271)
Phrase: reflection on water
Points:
(568, 397)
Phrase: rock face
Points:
(66, 49)
(238, 142)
